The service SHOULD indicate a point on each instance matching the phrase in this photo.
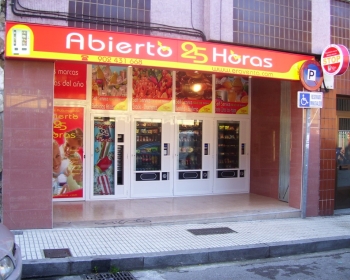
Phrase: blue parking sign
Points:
(310, 99)
(311, 75)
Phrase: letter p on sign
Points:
(311, 75)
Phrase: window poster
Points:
(231, 94)
(70, 80)
(193, 92)
(104, 149)
(67, 173)
(152, 90)
(109, 87)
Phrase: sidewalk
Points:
(153, 246)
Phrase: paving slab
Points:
(156, 246)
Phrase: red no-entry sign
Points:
(335, 59)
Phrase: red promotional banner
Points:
(231, 94)
(193, 92)
(109, 87)
(152, 90)
(67, 175)
(70, 80)
(92, 46)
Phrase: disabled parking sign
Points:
(308, 99)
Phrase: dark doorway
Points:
(342, 188)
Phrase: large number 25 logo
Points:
(191, 51)
(59, 125)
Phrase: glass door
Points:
(342, 191)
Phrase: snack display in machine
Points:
(228, 145)
(190, 145)
(148, 145)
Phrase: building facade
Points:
(180, 141)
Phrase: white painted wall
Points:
(178, 13)
(213, 17)
(321, 25)
(218, 23)
(321, 32)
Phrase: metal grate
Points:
(209, 231)
(57, 253)
(123, 275)
(344, 124)
(343, 104)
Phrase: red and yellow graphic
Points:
(152, 90)
(335, 59)
(193, 92)
(67, 173)
(34, 41)
(109, 87)
(231, 94)
(70, 80)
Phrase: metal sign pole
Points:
(305, 164)
(311, 77)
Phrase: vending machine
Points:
(232, 156)
(193, 157)
(152, 158)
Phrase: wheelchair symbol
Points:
(303, 101)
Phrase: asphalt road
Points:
(333, 265)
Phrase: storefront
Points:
(141, 116)
(151, 150)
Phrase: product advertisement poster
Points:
(67, 175)
(152, 90)
(70, 80)
(231, 94)
(109, 87)
(104, 147)
(193, 92)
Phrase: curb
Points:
(85, 265)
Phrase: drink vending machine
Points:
(152, 161)
(232, 157)
(190, 148)
(148, 146)
(194, 164)
(227, 149)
